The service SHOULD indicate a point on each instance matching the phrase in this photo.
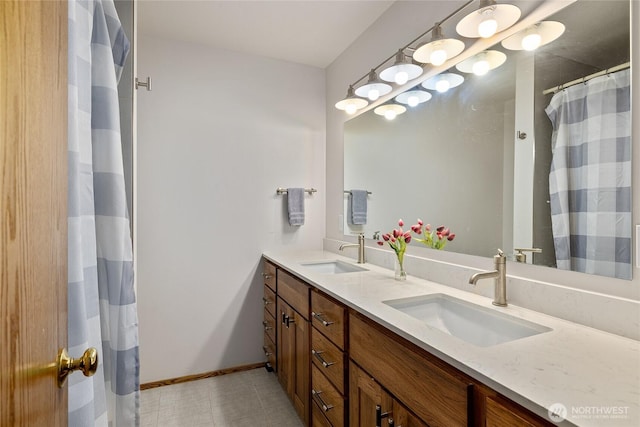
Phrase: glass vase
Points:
(400, 273)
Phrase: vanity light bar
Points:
(407, 46)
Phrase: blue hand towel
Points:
(358, 207)
(295, 205)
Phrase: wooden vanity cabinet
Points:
(337, 367)
(292, 311)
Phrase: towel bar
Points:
(280, 190)
(349, 192)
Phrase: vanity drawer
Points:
(295, 292)
(329, 400)
(269, 300)
(269, 274)
(439, 397)
(269, 349)
(328, 358)
(269, 325)
(317, 417)
(328, 316)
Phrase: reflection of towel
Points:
(295, 205)
(358, 207)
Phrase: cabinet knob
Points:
(266, 276)
(266, 301)
(266, 325)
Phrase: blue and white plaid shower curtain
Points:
(101, 300)
(590, 179)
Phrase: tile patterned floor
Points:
(251, 398)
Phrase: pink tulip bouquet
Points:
(398, 240)
(435, 239)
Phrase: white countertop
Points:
(594, 374)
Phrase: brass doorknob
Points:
(88, 364)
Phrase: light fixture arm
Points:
(455, 12)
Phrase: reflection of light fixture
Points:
(544, 32)
(443, 82)
(351, 103)
(489, 19)
(439, 49)
(481, 63)
(390, 111)
(401, 71)
(374, 88)
(413, 97)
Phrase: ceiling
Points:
(308, 32)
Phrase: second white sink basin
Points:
(332, 267)
(469, 322)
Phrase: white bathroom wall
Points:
(217, 135)
(397, 26)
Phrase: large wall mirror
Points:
(478, 158)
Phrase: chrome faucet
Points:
(359, 245)
(500, 276)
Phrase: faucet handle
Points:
(500, 258)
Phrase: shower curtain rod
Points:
(587, 78)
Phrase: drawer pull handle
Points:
(380, 415)
(266, 325)
(320, 319)
(284, 318)
(319, 401)
(391, 422)
(266, 301)
(318, 355)
(266, 276)
(266, 351)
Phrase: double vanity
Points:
(352, 346)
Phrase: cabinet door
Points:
(365, 395)
(301, 365)
(285, 347)
(293, 357)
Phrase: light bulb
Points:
(373, 94)
(531, 41)
(401, 77)
(438, 57)
(480, 67)
(390, 114)
(351, 109)
(487, 27)
(413, 100)
(443, 85)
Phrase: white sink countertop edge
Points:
(584, 369)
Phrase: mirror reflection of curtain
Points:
(590, 178)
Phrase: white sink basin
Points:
(472, 323)
(332, 267)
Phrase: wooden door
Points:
(364, 395)
(33, 210)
